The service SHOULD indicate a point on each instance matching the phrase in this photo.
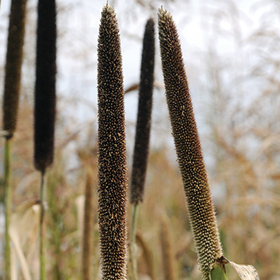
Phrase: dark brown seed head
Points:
(201, 209)
(141, 146)
(45, 93)
(112, 176)
(13, 65)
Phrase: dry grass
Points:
(248, 215)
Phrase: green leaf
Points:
(218, 273)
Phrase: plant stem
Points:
(8, 205)
(218, 273)
(42, 229)
(132, 244)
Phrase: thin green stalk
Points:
(42, 239)
(8, 205)
(132, 245)
(54, 225)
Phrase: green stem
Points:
(42, 230)
(132, 246)
(218, 273)
(8, 205)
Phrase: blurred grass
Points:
(248, 219)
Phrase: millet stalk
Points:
(44, 108)
(201, 210)
(142, 137)
(13, 65)
(112, 173)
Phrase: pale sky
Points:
(221, 27)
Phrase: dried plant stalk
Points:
(143, 126)
(112, 176)
(168, 256)
(13, 65)
(201, 210)
(88, 228)
(45, 92)
(148, 256)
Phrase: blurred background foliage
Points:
(232, 59)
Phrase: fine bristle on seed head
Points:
(13, 66)
(112, 197)
(143, 126)
(45, 92)
(201, 210)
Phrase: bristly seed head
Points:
(143, 126)
(13, 65)
(112, 175)
(45, 91)
(199, 201)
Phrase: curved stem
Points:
(132, 244)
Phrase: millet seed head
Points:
(199, 201)
(112, 175)
(13, 65)
(45, 91)
(143, 125)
